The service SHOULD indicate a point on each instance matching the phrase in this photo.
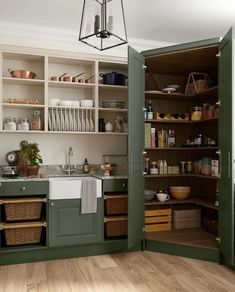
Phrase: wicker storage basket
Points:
(116, 204)
(197, 82)
(23, 209)
(23, 233)
(116, 227)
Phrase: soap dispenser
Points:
(86, 166)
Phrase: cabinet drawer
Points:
(24, 188)
(115, 185)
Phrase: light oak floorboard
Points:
(134, 271)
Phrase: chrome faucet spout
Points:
(70, 154)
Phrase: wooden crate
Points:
(157, 220)
(187, 218)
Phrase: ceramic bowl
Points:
(65, 102)
(76, 103)
(87, 103)
(53, 101)
(180, 192)
(149, 195)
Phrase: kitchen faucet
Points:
(70, 154)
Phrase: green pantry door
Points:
(226, 120)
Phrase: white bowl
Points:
(65, 102)
(53, 101)
(76, 103)
(87, 103)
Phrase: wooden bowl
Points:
(180, 192)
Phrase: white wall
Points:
(54, 147)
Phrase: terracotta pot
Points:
(32, 170)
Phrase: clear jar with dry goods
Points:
(36, 122)
(211, 112)
(189, 166)
(196, 113)
(205, 110)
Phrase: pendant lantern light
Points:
(103, 24)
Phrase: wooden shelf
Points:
(113, 110)
(115, 218)
(182, 148)
(67, 133)
(113, 87)
(180, 175)
(208, 94)
(114, 196)
(71, 107)
(181, 121)
(62, 84)
(20, 105)
(21, 81)
(200, 202)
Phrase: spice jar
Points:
(9, 124)
(36, 122)
(189, 166)
(211, 112)
(205, 110)
(182, 167)
(23, 124)
(196, 113)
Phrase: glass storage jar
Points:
(196, 113)
(23, 124)
(36, 122)
(211, 112)
(205, 110)
(9, 124)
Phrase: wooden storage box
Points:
(116, 204)
(23, 209)
(116, 226)
(23, 233)
(157, 220)
(186, 218)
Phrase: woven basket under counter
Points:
(116, 226)
(23, 209)
(116, 204)
(23, 233)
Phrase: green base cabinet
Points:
(67, 226)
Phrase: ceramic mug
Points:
(162, 197)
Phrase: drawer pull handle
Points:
(23, 188)
(124, 185)
(52, 204)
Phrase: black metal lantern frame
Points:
(103, 24)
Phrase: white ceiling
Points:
(156, 20)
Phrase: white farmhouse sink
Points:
(70, 187)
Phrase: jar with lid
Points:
(118, 122)
(153, 168)
(23, 124)
(196, 113)
(182, 167)
(205, 110)
(147, 165)
(9, 124)
(36, 122)
(189, 167)
(211, 112)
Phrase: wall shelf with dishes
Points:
(66, 92)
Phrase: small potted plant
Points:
(31, 154)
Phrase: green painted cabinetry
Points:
(23, 188)
(67, 226)
(115, 185)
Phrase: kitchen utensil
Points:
(149, 195)
(86, 103)
(71, 78)
(58, 78)
(78, 121)
(180, 192)
(85, 80)
(106, 168)
(168, 90)
(162, 197)
(113, 78)
(91, 122)
(25, 74)
(53, 101)
(87, 122)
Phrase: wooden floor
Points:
(135, 271)
(197, 237)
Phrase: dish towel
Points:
(88, 197)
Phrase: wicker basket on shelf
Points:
(197, 83)
(116, 227)
(116, 204)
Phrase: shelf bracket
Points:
(218, 55)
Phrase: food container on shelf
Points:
(53, 101)
(87, 102)
(36, 121)
(196, 113)
(205, 110)
(206, 166)
(23, 124)
(9, 124)
(211, 112)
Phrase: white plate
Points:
(61, 120)
(168, 90)
(78, 121)
(49, 121)
(176, 86)
(58, 120)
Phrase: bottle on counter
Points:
(165, 171)
(86, 166)
(161, 167)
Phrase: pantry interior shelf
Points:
(197, 201)
(21, 81)
(181, 121)
(22, 105)
(182, 148)
(207, 94)
(181, 175)
(113, 87)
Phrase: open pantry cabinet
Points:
(201, 226)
